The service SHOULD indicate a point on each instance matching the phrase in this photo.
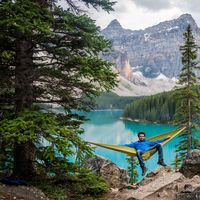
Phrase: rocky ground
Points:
(20, 193)
(161, 184)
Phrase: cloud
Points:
(120, 7)
(139, 14)
(131, 16)
(191, 5)
(153, 5)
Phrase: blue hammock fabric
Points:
(14, 182)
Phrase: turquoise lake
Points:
(106, 127)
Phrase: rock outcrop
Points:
(161, 184)
(191, 166)
(190, 192)
(165, 184)
(115, 176)
(152, 187)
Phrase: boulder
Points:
(115, 176)
(189, 194)
(191, 165)
(21, 192)
(161, 184)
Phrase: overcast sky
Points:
(139, 14)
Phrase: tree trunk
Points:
(24, 73)
(189, 126)
(24, 153)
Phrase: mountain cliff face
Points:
(153, 51)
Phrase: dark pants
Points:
(160, 154)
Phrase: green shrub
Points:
(83, 186)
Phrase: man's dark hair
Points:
(141, 133)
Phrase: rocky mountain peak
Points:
(186, 16)
(114, 24)
(179, 24)
(187, 19)
(115, 30)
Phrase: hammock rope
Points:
(132, 152)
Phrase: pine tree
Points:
(48, 55)
(160, 107)
(188, 96)
(132, 169)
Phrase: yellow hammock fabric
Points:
(132, 152)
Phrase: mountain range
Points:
(149, 60)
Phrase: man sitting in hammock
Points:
(143, 145)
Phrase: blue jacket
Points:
(144, 145)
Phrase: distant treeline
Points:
(110, 100)
(159, 108)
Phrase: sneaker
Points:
(144, 170)
(162, 163)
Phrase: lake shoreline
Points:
(142, 120)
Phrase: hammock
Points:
(132, 152)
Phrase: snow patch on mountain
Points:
(138, 74)
(142, 86)
(172, 28)
(147, 37)
(161, 77)
(174, 79)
